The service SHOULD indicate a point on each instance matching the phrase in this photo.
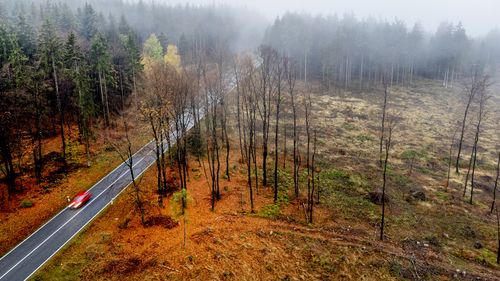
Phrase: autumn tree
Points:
(155, 110)
(172, 57)
(152, 52)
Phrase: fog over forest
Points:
(478, 16)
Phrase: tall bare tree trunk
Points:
(384, 177)
(450, 158)
(382, 129)
(496, 184)
(471, 94)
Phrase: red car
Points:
(80, 199)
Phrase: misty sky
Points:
(478, 16)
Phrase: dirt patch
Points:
(163, 221)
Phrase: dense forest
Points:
(60, 69)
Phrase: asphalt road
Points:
(28, 256)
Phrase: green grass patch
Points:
(271, 211)
(364, 138)
(323, 261)
(26, 204)
(487, 258)
(348, 126)
(442, 196)
(345, 193)
(424, 170)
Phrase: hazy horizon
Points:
(478, 17)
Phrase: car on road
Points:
(80, 199)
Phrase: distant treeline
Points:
(345, 51)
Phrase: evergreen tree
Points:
(26, 36)
(132, 61)
(103, 69)
(77, 70)
(88, 22)
(50, 54)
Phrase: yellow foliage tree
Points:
(172, 57)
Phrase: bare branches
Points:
(473, 88)
(125, 152)
(481, 91)
(249, 102)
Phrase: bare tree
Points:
(248, 121)
(265, 90)
(471, 89)
(382, 128)
(498, 236)
(179, 89)
(496, 184)
(155, 108)
(127, 157)
(452, 143)
(312, 180)
(278, 76)
(212, 101)
(482, 89)
(309, 164)
(291, 76)
(387, 144)
(238, 81)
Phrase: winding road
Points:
(32, 253)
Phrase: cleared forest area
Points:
(432, 231)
